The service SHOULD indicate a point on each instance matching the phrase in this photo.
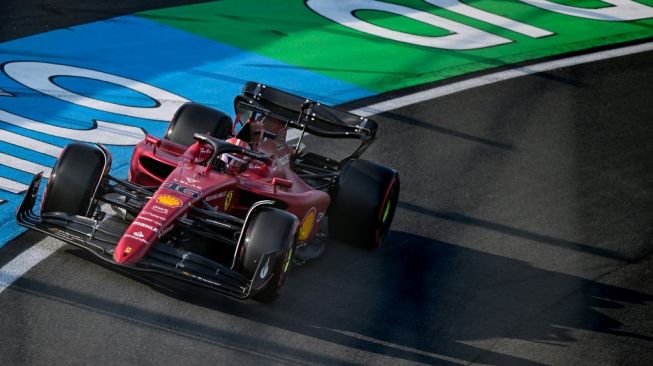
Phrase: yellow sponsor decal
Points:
(306, 226)
(227, 200)
(128, 250)
(168, 200)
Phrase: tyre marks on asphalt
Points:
(35, 254)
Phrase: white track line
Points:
(18, 266)
(441, 91)
(11, 271)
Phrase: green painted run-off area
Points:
(291, 32)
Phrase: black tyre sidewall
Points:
(75, 179)
(270, 230)
(358, 201)
(193, 118)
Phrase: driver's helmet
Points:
(235, 162)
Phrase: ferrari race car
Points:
(229, 206)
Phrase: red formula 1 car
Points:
(226, 206)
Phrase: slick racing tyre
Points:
(363, 203)
(76, 179)
(193, 118)
(270, 230)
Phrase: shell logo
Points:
(306, 226)
(168, 200)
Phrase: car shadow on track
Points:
(415, 299)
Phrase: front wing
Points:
(162, 258)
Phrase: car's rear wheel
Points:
(269, 230)
(193, 118)
(76, 179)
(363, 203)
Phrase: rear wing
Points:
(307, 115)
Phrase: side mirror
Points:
(151, 140)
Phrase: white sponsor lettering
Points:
(216, 196)
(462, 37)
(458, 7)
(153, 215)
(621, 10)
(150, 220)
(136, 238)
(143, 225)
(39, 75)
(139, 234)
(166, 230)
(158, 209)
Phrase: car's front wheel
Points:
(76, 179)
(270, 230)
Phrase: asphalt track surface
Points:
(20, 18)
(524, 236)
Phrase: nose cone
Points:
(126, 252)
(133, 245)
